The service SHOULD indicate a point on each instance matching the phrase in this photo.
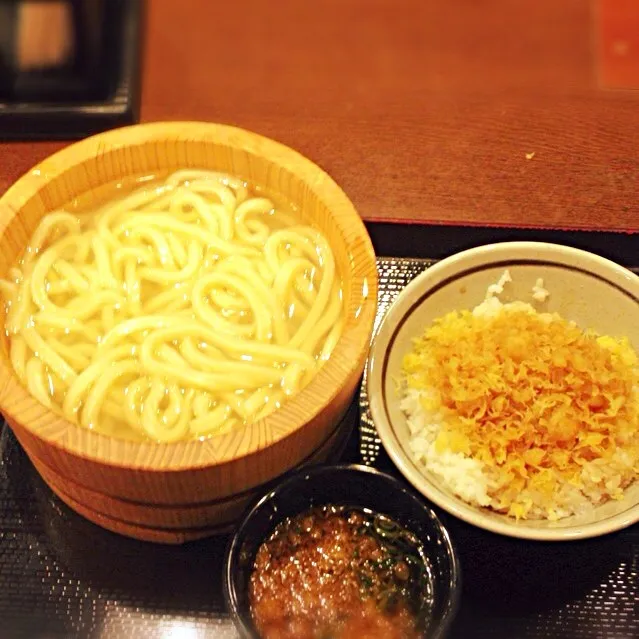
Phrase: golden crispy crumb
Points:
(532, 396)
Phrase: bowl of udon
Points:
(187, 311)
(504, 384)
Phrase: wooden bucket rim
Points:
(347, 357)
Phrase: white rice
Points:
(462, 474)
(469, 478)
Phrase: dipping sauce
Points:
(336, 572)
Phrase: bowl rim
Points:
(245, 441)
(490, 255)
(395, 483)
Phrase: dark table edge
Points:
(432, 241)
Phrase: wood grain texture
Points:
(136, 531)
(175, 519)
(421, 110)
(188, 472)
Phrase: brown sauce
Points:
(337, 572)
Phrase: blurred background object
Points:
(44, 35)
(52, 49)
(68, 67)
(618, 43)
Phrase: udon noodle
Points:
(181, 310)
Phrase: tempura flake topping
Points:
(535, 399)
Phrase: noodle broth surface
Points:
(182, 308)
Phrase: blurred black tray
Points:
(63, 577)
(117, 101)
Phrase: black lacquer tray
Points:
(63, 577)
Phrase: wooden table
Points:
(463, 112)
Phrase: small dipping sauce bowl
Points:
(353, 486)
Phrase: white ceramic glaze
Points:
(594, 292)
